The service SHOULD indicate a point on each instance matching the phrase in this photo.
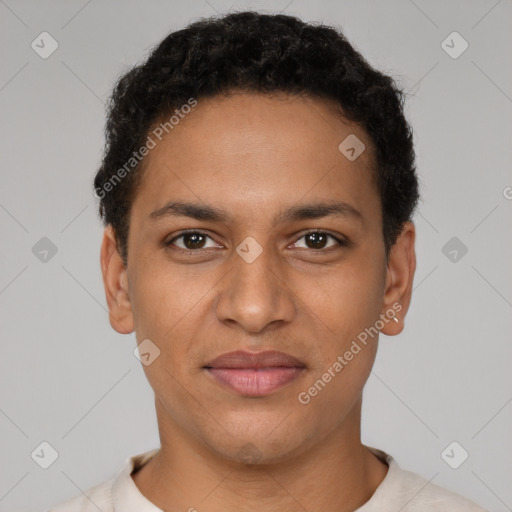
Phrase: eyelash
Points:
(341, 242)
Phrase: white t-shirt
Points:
(400, 490)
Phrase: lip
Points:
(242, 359)
(255, 374)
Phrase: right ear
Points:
(115, 282)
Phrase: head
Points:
(252, 132)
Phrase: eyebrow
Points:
(294, 213)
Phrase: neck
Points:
(336, 473)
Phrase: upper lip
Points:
(243, 359)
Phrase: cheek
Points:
(154, 308)
(344, 301)
(170, 308)
(348, 306)
(165, 296)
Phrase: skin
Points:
(255, 156)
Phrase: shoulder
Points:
(96, 498)
(119, 491)
(423, 495)
(410, 492)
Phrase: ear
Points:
(115, 282)
(399, 278)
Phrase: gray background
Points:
(67, 378)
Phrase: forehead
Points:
(244, 149)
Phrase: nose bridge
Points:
(254, 295)
(254, 268)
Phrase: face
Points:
(250, 274)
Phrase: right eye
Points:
(192, 241)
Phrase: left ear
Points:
(399, 278)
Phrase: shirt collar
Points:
(126, 496)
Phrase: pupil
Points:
(316, 236)
(194, 236)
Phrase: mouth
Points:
(255, 374)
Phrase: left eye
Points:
(317, 240)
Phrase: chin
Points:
(257, 450)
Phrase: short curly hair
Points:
(263, 53)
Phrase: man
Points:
(257, 190)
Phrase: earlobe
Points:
(115, 282)
(399, 279)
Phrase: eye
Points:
(192, 240)
(316, 240)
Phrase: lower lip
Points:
(252, 382)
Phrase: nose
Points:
(255, 294)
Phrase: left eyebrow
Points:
(319, 210)
(295, 213)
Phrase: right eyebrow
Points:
(192, 210)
